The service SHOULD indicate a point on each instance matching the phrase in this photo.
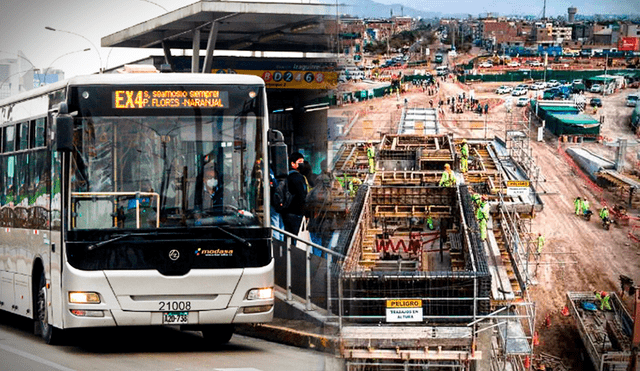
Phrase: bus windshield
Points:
(185, 167)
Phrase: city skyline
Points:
(527, 7)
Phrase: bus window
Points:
(9, 138)
(23, 136)
(37, 133)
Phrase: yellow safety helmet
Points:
(464, 140)
(447, 166)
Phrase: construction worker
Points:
(585, 206)
(578, 204)
(371, 154)
(540, 241)
(476, 199)
(464, 156)
(353, 184)
(603, 297)
(448, 179)
(483, 216)
(604, 213)
(430, 223)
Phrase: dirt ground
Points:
(579, 255)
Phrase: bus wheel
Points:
(218, 334)
(50, 334)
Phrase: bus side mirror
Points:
(64, 133)
(278, 153)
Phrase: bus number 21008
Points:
(175, 305)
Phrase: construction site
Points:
(402, 279)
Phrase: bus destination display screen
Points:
(169, 98)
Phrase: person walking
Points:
(585, 206)
(540, 242)
(448, 178)
(604, 213)
(464, 156)
(371, 155)
(578, 205)
(297, 185)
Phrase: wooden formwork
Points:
(623, 186)
(400, 196)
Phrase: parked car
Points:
(595, 102)
(519, 91)
(577, 86)
(535, 64)
(538, 85)
(504, 89)
(553, 83)
(550, 93)
(486, 65)
(522, 101)
(596, 88)
(513, 64)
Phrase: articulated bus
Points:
(135, 200)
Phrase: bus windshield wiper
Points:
(235, 237)
(102, 243)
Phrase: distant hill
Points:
(371, 9)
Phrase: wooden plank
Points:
(500, 273)
(442, 355)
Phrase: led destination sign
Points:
(141, 99)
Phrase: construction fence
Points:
(526, 74)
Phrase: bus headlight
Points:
(84, 298)
(260, 294)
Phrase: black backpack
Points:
(280, 196)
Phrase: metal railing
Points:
(290, 241)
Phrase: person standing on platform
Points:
(371, 155)
(297, 185)
(448, 178)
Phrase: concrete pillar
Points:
(195, 60)
(622, 149)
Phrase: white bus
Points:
(109, 214)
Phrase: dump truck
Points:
(606, 335)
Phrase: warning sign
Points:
(517, 183)
(404, 310)
(518, 188)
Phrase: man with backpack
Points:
(293, 213)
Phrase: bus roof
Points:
(137, 79)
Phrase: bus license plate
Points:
(175, 317)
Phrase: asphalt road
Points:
(156, 348)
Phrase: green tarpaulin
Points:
(545, 110)
(572, 124)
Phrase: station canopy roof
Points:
(246, 25)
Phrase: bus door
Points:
(59, 161)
